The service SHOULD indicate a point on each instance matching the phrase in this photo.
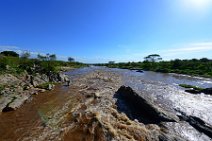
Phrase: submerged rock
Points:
(193, 91)
(141, 71)
(207, 91)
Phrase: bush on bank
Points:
(196, 67)
(16, 65)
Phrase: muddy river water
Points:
(30, 119)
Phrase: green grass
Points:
(194, 67)
(45, 85)
(1, 88)
(190, 86)
(15, 65)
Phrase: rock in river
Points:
(140, 106)
(207, 91)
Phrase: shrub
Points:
(190, 86)
(10, 53)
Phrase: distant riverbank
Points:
(195, 67)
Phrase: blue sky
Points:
(104, 30)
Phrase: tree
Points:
(47, 57)
(111, 62)
(204, 60)
(153, 58)
(25, 55)
(41, 57)
(176, 64)
(10, 53)
(52, 57)
(70, 59)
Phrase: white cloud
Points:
(204, 46)
(2, 48)
(192, 50)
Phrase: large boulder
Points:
(141, 108)
(11, 103)
(9, 79)
(58, 77)
(38, 79)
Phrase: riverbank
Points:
(194, 67)
(16, 89)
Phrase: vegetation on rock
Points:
(190, 86)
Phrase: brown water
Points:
(31, 118)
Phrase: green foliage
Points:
(9, 53)
(190, 86)
(201, 67)
(44, 64)
(25, 55)
(1, 88)
(70, 59)
(153, 58)
(41, 57)
(52, 57)
(111, 62)
(44, 85)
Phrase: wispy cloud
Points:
(204, 46)
(2, 48)
(187, 49)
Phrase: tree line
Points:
(13, 62)
(154, 62)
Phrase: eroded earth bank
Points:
(99, 106)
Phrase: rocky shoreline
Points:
(16, 89)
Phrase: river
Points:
(161, 88)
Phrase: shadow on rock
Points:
(136, 107)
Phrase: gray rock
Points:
(63, 78)
(50, 86)
(140, 106)
(9, 79)
(38, 79)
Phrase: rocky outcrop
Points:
(23, 86)
(147, 111)
(38, 79)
